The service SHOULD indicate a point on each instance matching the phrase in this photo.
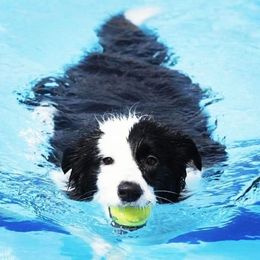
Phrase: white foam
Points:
(193, 179)
(39, 130)
(138, 15)
(7, 254)
(60, 179)
(99, 246)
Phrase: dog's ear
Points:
(82, 161)
(187, 150)
(68, 159)
(82, 155)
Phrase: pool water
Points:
(217, 43)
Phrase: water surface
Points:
(217, 44)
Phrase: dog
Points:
(127, 127)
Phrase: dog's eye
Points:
(108, 160)
(151, 160)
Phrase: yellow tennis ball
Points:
(130, 216)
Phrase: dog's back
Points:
(129, 72)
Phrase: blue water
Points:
(218, 45)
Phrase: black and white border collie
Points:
(126, 127)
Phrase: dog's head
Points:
(129, 161)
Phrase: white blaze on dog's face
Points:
(118, 168)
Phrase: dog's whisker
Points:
(166, 191)
(82, 196)
(85, 198)
(89, 192)
(159, 197)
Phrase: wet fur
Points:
(129, 72)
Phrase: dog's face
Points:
(129, 161)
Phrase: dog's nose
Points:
(129, 191)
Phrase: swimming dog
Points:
(127, 126)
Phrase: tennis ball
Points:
(130, 216)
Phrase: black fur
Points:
(129, 71)
(83, 160)
(173, 151)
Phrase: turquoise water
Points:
(217, 44)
